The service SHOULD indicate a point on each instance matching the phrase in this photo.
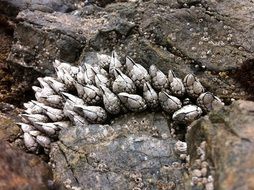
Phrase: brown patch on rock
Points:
(229, 136)
(22, 171)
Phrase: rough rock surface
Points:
(228, 133)
(12, 7)
(203, 37)
(9, 130)
(135, 151)
(22, 171)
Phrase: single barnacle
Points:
(103, 60)
(56, 85)
(159, 79)
(32, 108)
(26, 127)
(53, 113)
(101, 80)
(51, 100)
(97, 69)
(49, 129)
(70, 101)
(89, 93)
(137, 73)
(76, 119)
(111, 102)
(169, 103)
(133, 102)
(123, 83)
(187, 114)
(30, 142)
(44, 141)
(74, 72)
(114, 64)
(89, 75)
(35, 117)
(93, 114)
(150, 96)
(207, 101)
(175, 84)
(80, 77)
(193, 87)
(61, 65)
(67, 79)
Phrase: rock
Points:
(199, 37)
(22, 171)
(9, 130)
(228, 134)
(135, 151)
(12, 7)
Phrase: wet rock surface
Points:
(22, 171)
(135, 151)
(228, 134)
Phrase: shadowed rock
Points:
(228, 134)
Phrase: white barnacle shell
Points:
(58, 65)
(187, 114)
(51, 100)
(56, 85)
(26, 128)
(207, 101)
(71, 100)
(133, 102)
(169, 103)
(67, 79)
(36, 117)
(49, 129)
(175, 84)
(150, 96)
(80, 77)
(32, 108)
(193, 87)
(74, 72)
(93, 114)
(103, 60)
(89, 75)
(44, 141)
(76, 119)
(159, 79)
(30, 142)
(122, 83)
(114, 63)
(111, 102)
(90, 94)
(138, 73)
(53, 113)
(101, 80)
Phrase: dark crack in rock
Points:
(228, 134)
(135, 151)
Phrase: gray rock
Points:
(201, 37)
(228, 133)
(12, 7)
(133, 151)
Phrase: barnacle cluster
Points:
(84, 94)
